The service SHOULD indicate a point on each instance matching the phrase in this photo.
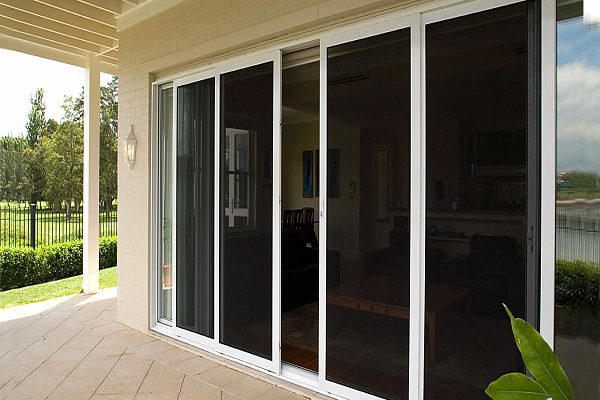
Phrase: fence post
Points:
(32, 225)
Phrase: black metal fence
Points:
(578, 233)
(23, 224)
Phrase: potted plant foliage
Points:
(548, 381)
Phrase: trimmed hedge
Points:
(25, 266)
(578, 285)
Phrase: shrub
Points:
(26, 266)
(108, 252)
(60, 260)
(578, 284)
(17, 267)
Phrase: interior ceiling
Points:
(59, 29)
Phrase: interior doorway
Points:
(300, 209)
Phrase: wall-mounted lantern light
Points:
(130, 145)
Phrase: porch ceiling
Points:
(65, 30)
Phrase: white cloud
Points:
(578, 123)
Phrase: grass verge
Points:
(54, 289)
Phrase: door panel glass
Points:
(577, 311)
(300, 209)
(195, 210)
(476, 198)
(368, 190)
(165, 173)
(246, 301)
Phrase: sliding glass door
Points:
(409, 209)
(366, 187)
(246, 235)
(432, 216)
(218, 183)
(481, 194)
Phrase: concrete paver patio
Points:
(73, 348)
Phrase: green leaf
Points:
(516, 386)
(540, 360)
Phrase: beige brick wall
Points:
(193, 33)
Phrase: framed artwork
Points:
(333, 173)
(317, 173)
(307, 173)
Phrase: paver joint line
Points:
(47, 358)
(81, 351)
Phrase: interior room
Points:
(300, 208)
(479, 74)
(368, 185)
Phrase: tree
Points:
(51, 126)
(12, 168)
(63, 151)
(35, 127)
(582, 180)
(109, 109)
(109, 128)
(36, 119)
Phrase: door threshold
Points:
(300, 375)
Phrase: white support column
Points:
(91, 175)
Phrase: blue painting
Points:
(307, 173)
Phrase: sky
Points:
(578, 97)
(21, 74)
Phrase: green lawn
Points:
(54, 289)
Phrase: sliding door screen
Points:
(368, 191)
(479, 143)
(165, 212)
(246, 293)
(195, 206)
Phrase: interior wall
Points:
(343, 235)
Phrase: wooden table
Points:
(390, 297)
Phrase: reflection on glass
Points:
(195, 212)
(476, 196)
(237, 170)
(368, 189)
(247, 216)
(165, 134)
(299, 229)
(577, 312)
